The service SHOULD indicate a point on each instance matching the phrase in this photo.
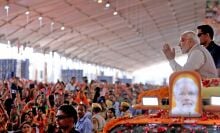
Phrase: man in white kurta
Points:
(199, 59)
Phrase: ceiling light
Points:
(62, 28)
(99, 1)
(7, 10)
(40, 18)
(9, 42)
(107, 5)
(6, 7)
(51, 26)
(27, 12)
(115, 13)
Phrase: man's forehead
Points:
(183, 36)
(80, 107)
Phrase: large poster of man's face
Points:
(185, 94)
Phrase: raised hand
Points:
(169, 53)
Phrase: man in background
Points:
(84, 124)
(206, 34)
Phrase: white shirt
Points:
(200, 60)
(71, 87)
(103, 91)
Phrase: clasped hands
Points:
(169, 53)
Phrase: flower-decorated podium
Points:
(188, 104)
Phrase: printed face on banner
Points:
(185, 95)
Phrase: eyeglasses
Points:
(61, 117)
(200, 34)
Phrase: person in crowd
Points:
(107, 94)
(29, 107)
(66, 117)
(199, 59)
(59, 99)
(67, 98)
(40, 119)
(86, 86)
(8, 104)
(115, 104)
(51, 102)
(102, 102)
(59, 87)
(26, 117)
(4, 119)
(124, 108)
(206, 34)
(4, 91)
(72, 85)
(108, 102)
(97, 120)
(16, 87)
(19, 102)
(96, 95)
(185, 96)
(104, 88)
(92, 86)
(26, 127)
(51, 124)
(89, 113)
(110, 114)
(15, 117)
(84, 124)
(40, 101)
(25, 94)
(81, 98)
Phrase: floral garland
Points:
(214, 82)
(162, 122)
(208, 118)
(163, 92)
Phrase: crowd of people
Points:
(32, 107)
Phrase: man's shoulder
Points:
(213, 42)
(215, 45)
(214, 49)
(85, 119)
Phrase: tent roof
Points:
(129, 41)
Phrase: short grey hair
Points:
(192, 35)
